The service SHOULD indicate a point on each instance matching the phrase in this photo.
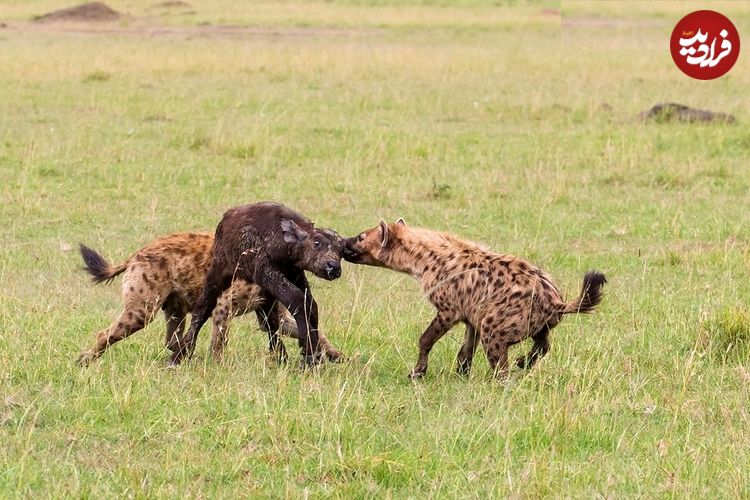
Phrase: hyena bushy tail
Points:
(97, 266)
(591, 294)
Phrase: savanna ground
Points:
(513, 125)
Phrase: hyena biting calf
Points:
(168, 274)
(501, 298)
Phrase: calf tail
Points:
(99, 269)
(591, 294)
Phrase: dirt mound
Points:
(670, 111)
(87, 12)
(173, 3)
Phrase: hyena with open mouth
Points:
(168, 274)
(501, 298)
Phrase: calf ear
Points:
(400, 221)
(384, 233)
(292, 232)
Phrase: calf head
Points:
(317, 250)
(372, 245)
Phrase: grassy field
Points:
(513, 125)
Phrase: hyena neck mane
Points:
(415, 250)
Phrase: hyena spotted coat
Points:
(168, 274)
(502, 299)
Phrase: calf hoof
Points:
(463, 368)
(85, 359)
(311, 361)
(335, 356)
(175, 360)
(173, 345)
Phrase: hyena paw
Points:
(416, 375)
(522, 361)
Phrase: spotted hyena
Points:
(502, 299)
(168, 274)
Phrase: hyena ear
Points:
(293, 234)
(400, 221)
(384, 233)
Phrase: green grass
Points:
(486, 121)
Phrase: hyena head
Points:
(318, 250)
(371, 247)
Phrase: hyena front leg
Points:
(220, 319)
(238, 299)
(438, 327)
(466, 354)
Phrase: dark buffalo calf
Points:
(270, 245)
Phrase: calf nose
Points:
(333, 268)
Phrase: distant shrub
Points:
(97, 76)
(440, 191)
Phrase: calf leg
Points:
(466, 354)
(268, 319)
(296, 297)
(216, 282)
(438, 327)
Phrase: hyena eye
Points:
(316, 243)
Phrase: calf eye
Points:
(316, 243)
(361, 237)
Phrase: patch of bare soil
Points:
(144, 27)
(609, 22)
(87, 12)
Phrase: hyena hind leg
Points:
(142, 298)
(466, 353)
(175, 313)
(538, 350)
(129, 322)
(494, 335)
